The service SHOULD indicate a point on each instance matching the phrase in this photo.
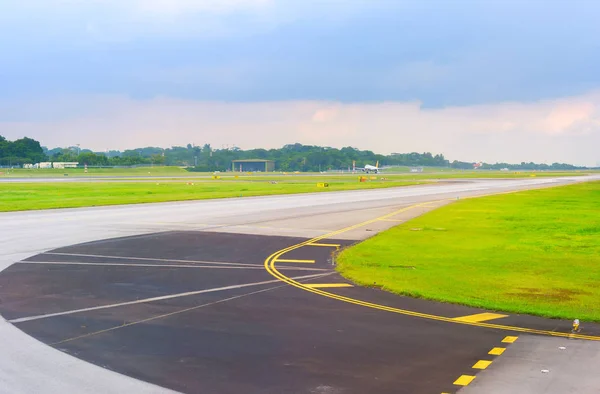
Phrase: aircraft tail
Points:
(377, 164)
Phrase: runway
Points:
(175, 296)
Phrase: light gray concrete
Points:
(522, 368)
(28, 366)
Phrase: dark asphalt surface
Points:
(267, 338)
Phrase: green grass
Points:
(534, 252)
(92, 172)
(470, 174)
(172, 171)
(40, 195)
(26, 196)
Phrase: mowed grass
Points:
(93, 172)
(535, 252)
(173, 171)
(20, 196)
(496, 174)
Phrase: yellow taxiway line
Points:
(325, 285)
(270, 262)
(295, 261)
(479, 317)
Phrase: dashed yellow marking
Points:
(324, 285)
(497, 351)
(509, 339)
(294, 261)
(464, 380)
(482, 364)
(326, 245)
(480, 317)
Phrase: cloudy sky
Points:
(493, 80)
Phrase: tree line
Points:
(21, 151)
(291, 157)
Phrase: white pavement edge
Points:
(30, 366)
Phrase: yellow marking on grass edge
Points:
(295, 261)
(481, 364)
(479, 317)
(323, 285)
(509, 339)
(270, 261)
(464, 380)
(497, 351)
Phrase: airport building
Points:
(61, 165)
(253, 165)
(56, 164)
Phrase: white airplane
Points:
(368, 168)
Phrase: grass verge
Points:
(40, 195)
(535, 252)
(173, 171)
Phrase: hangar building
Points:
(253, 165)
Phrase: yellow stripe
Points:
(509, 339)
(391, 220)
(497, 351)
(320, 285)
(480, 317)
(271, 269)
(329, 245)
(482, 364)
(464, 380)
(294, 261)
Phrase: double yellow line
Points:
(272, 269)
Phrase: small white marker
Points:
(562, 347)
(545, 370)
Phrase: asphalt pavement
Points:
(180, 296)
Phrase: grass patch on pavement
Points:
(21, 196)
(535, 252)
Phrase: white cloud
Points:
(565, 129)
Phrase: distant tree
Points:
(290, 157)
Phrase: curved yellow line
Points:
(270, 267)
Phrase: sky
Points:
(494, 80)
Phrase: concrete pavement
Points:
(25, 362)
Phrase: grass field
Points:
(534, 252)
(40, 195)
(164, 171)
(92, 172)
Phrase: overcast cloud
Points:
(475, 80)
